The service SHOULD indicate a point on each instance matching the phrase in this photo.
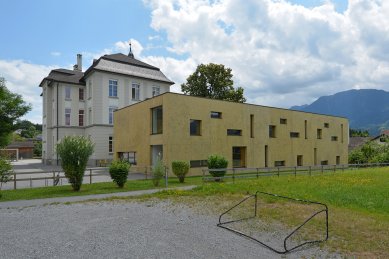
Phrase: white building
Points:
(82, 103)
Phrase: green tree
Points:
(31, 132)
(358, 133)
(213, 81)
(74, 152)
(12, 107)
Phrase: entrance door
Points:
(156, 153)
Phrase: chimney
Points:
(79, 62)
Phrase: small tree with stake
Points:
(74, 152)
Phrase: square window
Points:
(326, 125)
(283, 121)
(195, 127)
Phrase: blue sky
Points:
(283, 53)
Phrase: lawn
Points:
(358, 202)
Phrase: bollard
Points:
(14, 181)
(90, 176)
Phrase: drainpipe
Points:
(57, 122)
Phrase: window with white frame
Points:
(110, 144)
(113, 88)
(68, 92)
(135, 91)
(111, 110)
(156, 90)
(67, 116)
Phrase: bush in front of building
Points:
(180, 169)
(158, 172)
(74, 152)
(217, 162)
(5, 172)
(118, 170)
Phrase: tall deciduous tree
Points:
(213, 81)
(12, 107)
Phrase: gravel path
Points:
(124, 229)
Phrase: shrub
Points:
(118, 171)
(217, 162)
(158, 172)
(74, 152)
(5, 172)
(180, 169)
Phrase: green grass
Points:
(88, 189)
(364, 190)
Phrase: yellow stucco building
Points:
(182, 127)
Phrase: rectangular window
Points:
(324, 162)
(110, 144)
(238, 156)
(338, 160)
(67, 92)
(341, 133)
(252, 125)
(279, 163)
(80, 118)
(128, 156)
(156, 120)
(156, 90)
(81, 94)
(67, 116)
(90, 89)
(272, 131)
(283, 121)
(326, 125)
(294, 134)
(195, 127)
(305, 129)
(334, 138)
(319, 134)
(111, 110)
(198, 163)
(135, 92)
(234, 132)
(216, 115)
(113, 88)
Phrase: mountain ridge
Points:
(366, 109)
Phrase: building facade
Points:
(82, 103)
(181, 127)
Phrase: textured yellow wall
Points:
(132, 132)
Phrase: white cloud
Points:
(282, 54)
(23, 78)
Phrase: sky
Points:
(282, 52)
